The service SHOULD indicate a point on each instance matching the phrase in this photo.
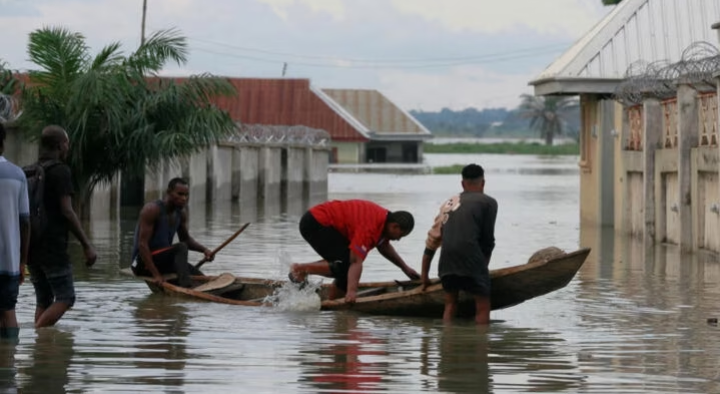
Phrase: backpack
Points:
(35, 174)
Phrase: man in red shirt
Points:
(343, 233)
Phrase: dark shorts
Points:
(52, 283)
(330, 244)
(453, 283)
(9, 289)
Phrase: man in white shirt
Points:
(14, 239)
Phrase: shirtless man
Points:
(154, 253)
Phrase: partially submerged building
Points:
(647, 79)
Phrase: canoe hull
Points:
(509, 287)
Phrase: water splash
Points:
(292, 296)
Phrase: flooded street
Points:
(632, 320)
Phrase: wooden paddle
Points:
(224, 244)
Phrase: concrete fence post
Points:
(687, 140)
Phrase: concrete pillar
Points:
(18, 150)
(293, 175)
(153, 182)
(270, 174)
(687, 140)
(194, 169)
(652, 140)
(219, 173)
(316, 167)
(606, 175)
(245, 172)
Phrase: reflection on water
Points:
(50, 362)
(633, 320)
(161, 355)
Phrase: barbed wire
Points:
(9, 108)
(297, 135)
(697, 65)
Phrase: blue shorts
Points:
(52, 284)
(9, 289)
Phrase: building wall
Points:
(395, 152)
(597, 161)
(346, 152)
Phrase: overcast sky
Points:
(422, 54)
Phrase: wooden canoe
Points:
(510, 286)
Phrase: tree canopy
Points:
(119, 114)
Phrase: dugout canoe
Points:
(510, 286)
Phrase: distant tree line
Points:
(611, 2)
(495, 122)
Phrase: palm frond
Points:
(157, 50)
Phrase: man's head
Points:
(54, 139)
(2, 138)
(473, 178)
(178, 192)
(399, 224)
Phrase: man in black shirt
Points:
(465, 229)
(48, 261)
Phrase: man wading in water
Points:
(154, 253)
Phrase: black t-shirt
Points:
(468, 237)
(58, 183)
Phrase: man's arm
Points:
(24, 245)
(24, 205)
(75, 226)
(487, 240)
(353, 279)
(146, 225)
(388, 251)
(184, 236)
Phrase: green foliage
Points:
(547, 114)
(488, 122)
(516, 148)
(118, 113)
(611, 2)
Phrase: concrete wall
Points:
(293, 160)
(597, 177)
(348, 152)
(262, 177)
(270, 173)
(219, 173)
(316, 168)
(245, 172)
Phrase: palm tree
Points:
(547, 114)
(8, 86)
(118, 113)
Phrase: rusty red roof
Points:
(288, 102)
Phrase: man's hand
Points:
(209, 256)
(425, 282)
(350, 297)
(22, 272)
(411, 273)
(158, 279)
(90, 256)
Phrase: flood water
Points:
(632, 321)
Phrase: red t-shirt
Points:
(361, 222)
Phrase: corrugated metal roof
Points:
(647, 30)
(377, 113)
(287, 102)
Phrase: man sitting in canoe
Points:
(465, 228)
(154, 253)
(343, 233)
